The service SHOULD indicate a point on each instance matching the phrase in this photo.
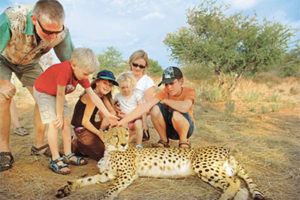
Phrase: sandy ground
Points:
(267, 145)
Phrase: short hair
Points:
(137, 55)
(50, 11)
(126, 77)
(85, 59)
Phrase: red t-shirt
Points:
(59, 74)
(187, 93)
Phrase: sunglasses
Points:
(137, 65)
(50, 32)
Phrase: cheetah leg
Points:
(231, 191)
(229, 185)
(121, 183)
(256, 194)
(73, 185)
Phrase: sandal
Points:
(72, 162)
(146, 135)
(161, 144)
(37, 151)
(56, 167)
(21, 131)
(6, 161)
(184, 145)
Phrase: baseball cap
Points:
(108, 75)
(170, 74)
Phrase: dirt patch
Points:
(267, 145)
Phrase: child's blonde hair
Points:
(85, 59)
(126, 77)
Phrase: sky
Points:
(129, 25)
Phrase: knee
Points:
(5, 103)
(138, 124)
(155, 111)
(179, 118)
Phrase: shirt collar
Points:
(29, 28)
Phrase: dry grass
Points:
(267, 145)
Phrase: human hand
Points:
(112, 119)
(7, 90)
(121, 114)
(122, 123)
(58, 122)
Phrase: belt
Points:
(79, 129)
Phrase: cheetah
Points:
(124, 164)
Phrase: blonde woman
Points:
(139, 63)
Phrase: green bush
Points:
(199, 72)
(230, 106)
(213, 94)
(264, 109)
(250, 96)
(154, 68)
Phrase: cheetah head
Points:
(116, 139)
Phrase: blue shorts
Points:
(171, 132)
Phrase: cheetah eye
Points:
(126, 135)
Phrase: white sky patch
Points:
(153, 15)
(243, 4)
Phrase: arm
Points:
(108, 105)
(138, 111)
(144, 117)
(180, 106)
(60, 100)
(90, 106)
(149, 93)
(98, 102)
(64, 49)
(4, 31)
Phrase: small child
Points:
(50, 89)
(129, 99)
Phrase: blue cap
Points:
(108, 75)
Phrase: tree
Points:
(154, 68)
(290, 64)
(111, 59)
(230, 44)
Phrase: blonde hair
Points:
(126, 77)
(49, 11)
(85, 59)
(137, 55)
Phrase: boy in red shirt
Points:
(50, 89)
(171, 110)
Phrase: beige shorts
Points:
(25, 73)
(47, 107)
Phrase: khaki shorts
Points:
(47, 107)
(25, 73)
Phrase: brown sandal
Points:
(6, 161)
(161, 144)
(185, 145)
(37, 151)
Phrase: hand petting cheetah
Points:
(213, 165)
